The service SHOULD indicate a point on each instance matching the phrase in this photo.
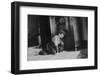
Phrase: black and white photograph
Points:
(52, 37)
(57, 37)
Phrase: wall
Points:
(5, 38)
(33, 30)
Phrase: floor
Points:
(33, 55)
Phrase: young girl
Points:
(56, 45)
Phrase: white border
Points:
(26, 65)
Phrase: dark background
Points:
(40, 25)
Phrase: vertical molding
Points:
(66, 20)
(52, 25)
(84, 29)
(73, 24)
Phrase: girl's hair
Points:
(62, 32)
